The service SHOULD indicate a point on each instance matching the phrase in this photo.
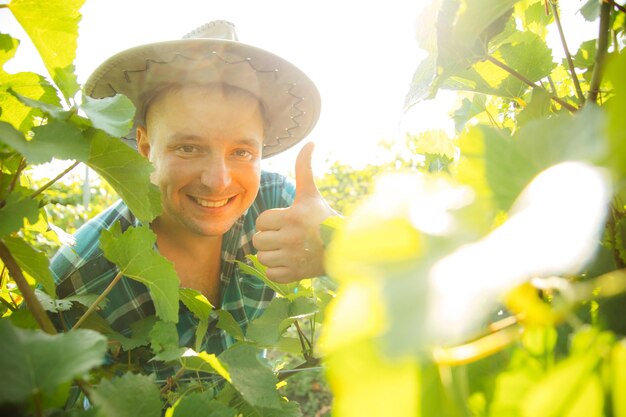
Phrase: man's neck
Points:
(196, 258)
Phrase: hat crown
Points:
(217, 29)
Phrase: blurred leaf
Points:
(615, 109)
(200, 307)
(133, 253)
(467, 110)
(255, 382)
(53, 28)
(17, 208)
(119, 397)
(329, 227)
(538, 108)
(590, 10)
(227, 323)
(34, 362)
(267, 329)
(127, 172)
(53, 110)
(8, 46)
(163, 336)
(586, 54)
(302, 307)
(114, 114)
(365, 383)
(570, 379)
(199, 405)
(618, 379)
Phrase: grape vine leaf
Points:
(33, 361)
(618, 367)
(615, 110)
(133, 253)
(200, 307)
(226, 322)
(119, 396)
(57, 139)
(267, 329)
(199, 405)
(254, 381)
(17, 208)
(32, 262)
(114, 114)
(127, 172)
(53, 28)
(164, 342)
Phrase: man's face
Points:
(205, 144)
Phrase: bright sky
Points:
(361, 55)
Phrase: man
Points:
(209, 109)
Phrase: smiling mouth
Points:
(211, 204)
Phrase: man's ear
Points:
(143, 144)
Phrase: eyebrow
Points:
(185, 137)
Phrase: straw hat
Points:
(213, 54)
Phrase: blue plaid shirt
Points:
(83, 269)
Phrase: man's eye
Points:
(186, 148)
(243, 154)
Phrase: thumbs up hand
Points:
(288, 240)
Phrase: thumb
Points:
(305, 183)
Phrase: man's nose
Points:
(215, 174)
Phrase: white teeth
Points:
(212, 204)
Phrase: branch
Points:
(101, 297)
(570, 62)
(29, 295)
(529, 83)
(310, 363)
(602, 46)
(617, 6)
(55, 179)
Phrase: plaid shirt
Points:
(84, 269)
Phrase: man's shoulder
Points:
(87, 246)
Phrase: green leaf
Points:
(53, 110)
(114, 114)
(140, 331)
(164, 341)
(227, 323)
(302, 307)
(258, 270)
(615, 109)
(127, 172)
(255, 382)
(50, 304)
(26, 84)
(569, 378)
(133, 253)
(537, 108)
(200, 307)
(467, 110)
(56, 139)
(32, 262)
(199, 405)
(204, 362)
(618, 378)
(53, 28)
(528, 54)
(586, 54)
(590, 10)
(128, 396)
(34, 362)
(8, 47)
(267, 329)
(17, 208)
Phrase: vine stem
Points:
(55, 179)
(526, 81)
(568, 55)
(601, 49)
(310, 362)
(101, 297)
(27, 292)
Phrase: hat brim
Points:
(290, 99)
